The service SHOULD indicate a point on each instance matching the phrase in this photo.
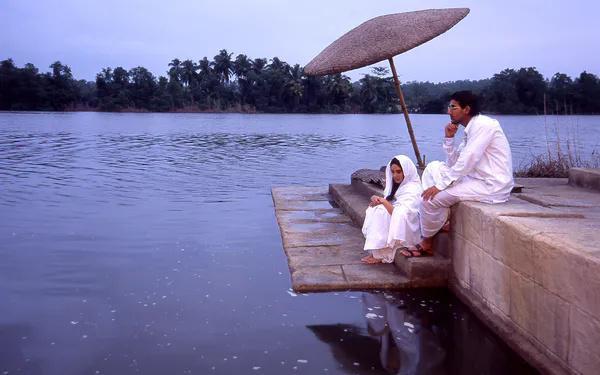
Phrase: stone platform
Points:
(324, 247)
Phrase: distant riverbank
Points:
(260, 85)
(251, 111)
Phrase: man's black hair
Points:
(467, 98)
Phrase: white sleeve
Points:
(451, 151)
(469, 156)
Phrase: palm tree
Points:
(368, 93)
(297, 72)
(256, 92)
(294, 87)
(205, 69)
(338, 88)
(277, 74)
(223, 65)
(188, 72)
(208, 83)
(279, 66)
(241, 66)
(175, 70)
(258, 65)
(188, 78)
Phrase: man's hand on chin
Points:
(429, 193)
(450, 129)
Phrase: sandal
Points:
(417, 252)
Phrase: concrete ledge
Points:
(531, 266)
(588, 178)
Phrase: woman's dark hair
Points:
(467, 98)
(395, 185)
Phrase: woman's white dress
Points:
(384, 233)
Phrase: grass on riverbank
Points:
(555, 165)
(561, 154)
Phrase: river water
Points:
(147, 244)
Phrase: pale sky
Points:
(560, 36)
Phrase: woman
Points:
(393, 221)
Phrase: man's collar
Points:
(467, 127)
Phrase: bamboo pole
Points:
(406, 118)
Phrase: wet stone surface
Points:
(323, 247)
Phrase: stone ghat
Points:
(529, 268)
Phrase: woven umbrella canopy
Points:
(382, 38)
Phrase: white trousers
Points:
(384, 233)
(435, 212)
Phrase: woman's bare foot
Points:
(370, 259)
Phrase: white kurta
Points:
(401, 228)
(480, 169)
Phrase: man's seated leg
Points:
(433, 215)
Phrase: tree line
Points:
(242, 84)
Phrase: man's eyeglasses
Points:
(452, 107)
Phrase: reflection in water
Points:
(418, 332)
(408, 344)
(350, 345)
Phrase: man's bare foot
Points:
(446, 227)
(426, 245)
(370, 259)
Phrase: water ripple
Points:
(137, 164)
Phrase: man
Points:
(480, 169)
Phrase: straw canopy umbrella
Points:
(382, 38)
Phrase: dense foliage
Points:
(260, 85)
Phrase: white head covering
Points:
(410, 186)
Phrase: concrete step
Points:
(366, 189)
(588, 178)
(433, 271)
(352, 202)
(424, 271)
